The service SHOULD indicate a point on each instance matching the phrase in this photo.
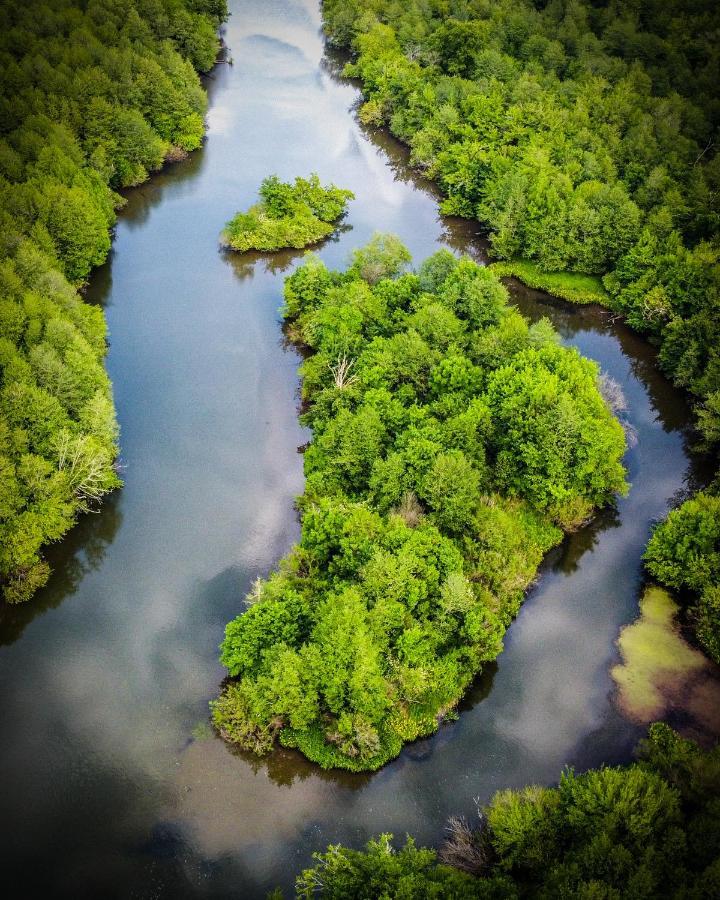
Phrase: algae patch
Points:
(658, 664)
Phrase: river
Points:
(112, 785)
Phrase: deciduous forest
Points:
(451, 445)
(94, 97)
(583, 136)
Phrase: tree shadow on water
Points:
(80, 552)
(566, 558)
(248, 263)
(286, 767)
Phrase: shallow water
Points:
(111, 786)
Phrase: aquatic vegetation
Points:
(656, 658)
(452, 443)
(94, 97)
(288, 215)
(650, 829)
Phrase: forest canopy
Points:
(452, 444)
(93, 97)
(583, 136)
(289, 215)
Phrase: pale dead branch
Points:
(341, 372)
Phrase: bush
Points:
(288, 215)
(409, 873)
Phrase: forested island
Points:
(583, 137)
(452, 444)
(93, 99)
(288, 216)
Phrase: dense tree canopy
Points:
(452, 443)
(648, 830)
(93, 97)
(288, 215)
(584, 136)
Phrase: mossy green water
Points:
(656, 658)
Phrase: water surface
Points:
(111, 786)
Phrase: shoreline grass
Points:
(575, 287)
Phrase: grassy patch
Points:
(572, 286)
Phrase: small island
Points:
(288, 216)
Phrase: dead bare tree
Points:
(409, 509)
(464, 847)
(85, 468)
(341, 372)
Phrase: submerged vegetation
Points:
(452, 444)
(583, 135)
(656, 658)
(648, 830)
(93, 97)
(289, 215)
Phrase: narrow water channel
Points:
(111, 784)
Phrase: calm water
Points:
(110, 785)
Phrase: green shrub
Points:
(684, 553)
(409, 873)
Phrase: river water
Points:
(111, 784)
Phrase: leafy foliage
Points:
(583, 135)
(93, 97)
(450, 440)
(650, 829)
(289, 215)
(410, 873)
